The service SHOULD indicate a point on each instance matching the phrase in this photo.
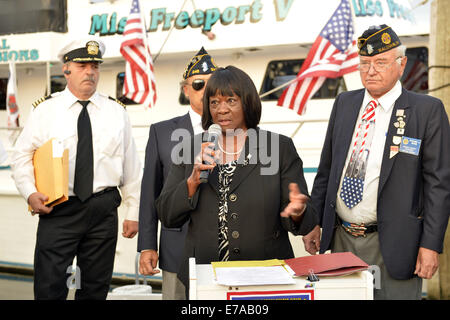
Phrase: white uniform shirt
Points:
(116, 161)
(196, 121)
(366, 210)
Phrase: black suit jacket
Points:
(414, 191)
(156, 169)
(256, 229)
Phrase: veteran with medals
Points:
(385, 169)
(96, 131)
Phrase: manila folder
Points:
(51, 171)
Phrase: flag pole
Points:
(168, 35)
(147, 54)
(278, 88)
(353, 20)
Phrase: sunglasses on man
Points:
(197, 84)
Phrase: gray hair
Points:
(401, 51)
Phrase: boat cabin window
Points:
(25, 16)
(119, 88)
(415, 76)
(282, 71)
(57, 83)
(3, 85)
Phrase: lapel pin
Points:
(394, 151)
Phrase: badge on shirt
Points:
(410, 145)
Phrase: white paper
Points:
(58, 148)
(253, 276)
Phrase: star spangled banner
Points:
(139, 83)
(332, 55)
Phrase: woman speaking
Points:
(255, 190)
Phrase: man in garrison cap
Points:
(96, 131)
(156, 169)
(382, 189)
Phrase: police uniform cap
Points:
(201, 63)
(377, 39)
(82, 50)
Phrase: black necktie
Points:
(84, 165)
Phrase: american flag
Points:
(139, 65)
(332, 55)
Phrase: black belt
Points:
(108, 189)
(359, 230)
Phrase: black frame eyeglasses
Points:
(197, 84)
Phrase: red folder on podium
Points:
(333, 264)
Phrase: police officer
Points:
(96, 130)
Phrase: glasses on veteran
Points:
(379, 66)
(230, 102)
(197, 84)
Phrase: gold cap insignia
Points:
(92, 47)
(386, 38)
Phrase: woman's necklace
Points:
(229, 153)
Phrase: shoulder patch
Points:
(118, 101)
(38, 101)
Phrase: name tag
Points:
(410, 145)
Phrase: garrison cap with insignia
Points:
(84, 50)
(201, 63)
(377, 39)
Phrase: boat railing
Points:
(9, 135)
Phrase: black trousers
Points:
(86, 230)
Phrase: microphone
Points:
(214, 131)
(67, 71)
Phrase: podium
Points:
(356, 286)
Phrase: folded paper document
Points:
(51, 171)
(248, 263)
(253, 276)
(251, 272)
(333, 264)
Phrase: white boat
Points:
(262, 37)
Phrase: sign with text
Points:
(272, 295)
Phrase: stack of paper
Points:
(251, 273)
